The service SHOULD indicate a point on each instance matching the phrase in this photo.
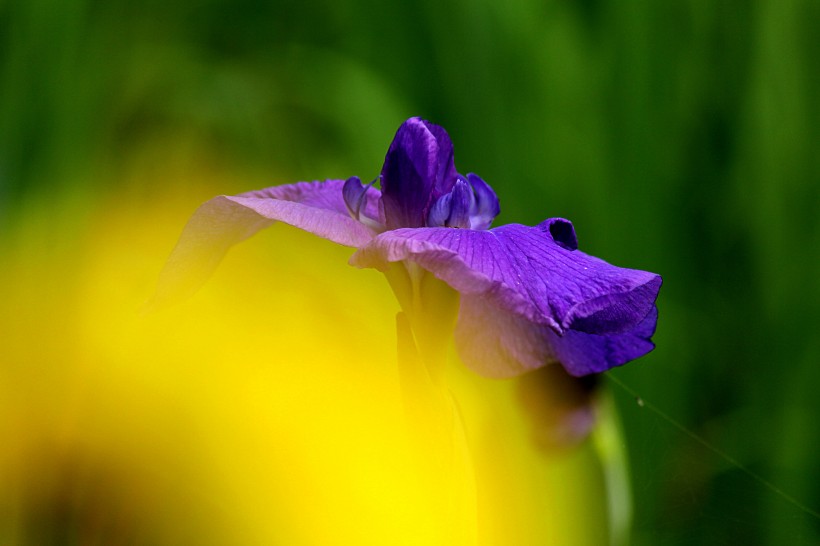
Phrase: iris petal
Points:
(532, 299)
(562, 232)
(316, 207)
(354, 193)
(499, 344)
(486, 203)
(446, 174)
(461, 205)
(583, 353)
(418, 169)
(440, 211)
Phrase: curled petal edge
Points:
(498, 344)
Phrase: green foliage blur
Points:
(680, 137)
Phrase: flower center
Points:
(471, 204)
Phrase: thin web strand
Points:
(642, 402)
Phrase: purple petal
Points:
(486, 203)
(327, 196)
(453, 209)
(562, 232)
(582, 353)
(440, 211)
(527, 299)
(446, 175)
(463, 201)
(497, 343)
(418, 169)
(317, 207)
(354, 193)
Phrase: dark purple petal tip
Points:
(562, 232)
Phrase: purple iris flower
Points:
(528, 296)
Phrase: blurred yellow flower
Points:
(251, 414)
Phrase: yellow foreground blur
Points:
(265, 410)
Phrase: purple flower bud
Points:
(418, 169)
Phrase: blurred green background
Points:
(680, 137)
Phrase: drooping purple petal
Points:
(316, 207)
(528, 298)
(584, 353)
(418, 169)
(497, 343)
